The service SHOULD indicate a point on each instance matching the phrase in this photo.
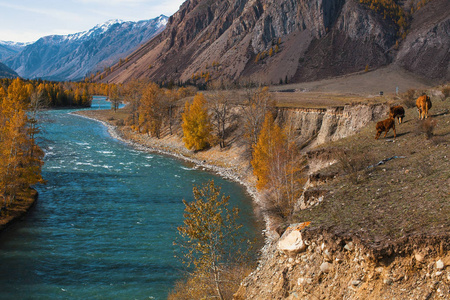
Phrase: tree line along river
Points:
(104, 224)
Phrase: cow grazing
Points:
(423, 104)
(385, 125)
(397, 112)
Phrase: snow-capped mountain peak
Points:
(15, 44)
(95, 31)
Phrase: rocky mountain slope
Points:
(7, 72)
(73, 56)
(426, 50)
(272, 41)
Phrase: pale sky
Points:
(29, 20)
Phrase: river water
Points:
(105, 222)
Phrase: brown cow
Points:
(385, 125)
(423, 104)
(397, 112)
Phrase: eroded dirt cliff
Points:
(317, 126)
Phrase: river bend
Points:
(104, 224)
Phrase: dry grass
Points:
(409, 98)
(404, 196)
(446, 91)
(365, 83)
(354, 164)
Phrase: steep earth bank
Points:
(320, 266)
(317, 126)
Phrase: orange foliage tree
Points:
(277, 164)
(267, 152)
(56, 94)
(20, 157)
(196, 124)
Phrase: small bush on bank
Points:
(446, 91)
(409, 98)
(354, 164)
(427, 127)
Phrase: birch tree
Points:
(278, 164)
(208, 242)
(221, 115)
(258, 102)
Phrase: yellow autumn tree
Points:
(211, 246)
(151, 110)
(2, 93)
(196, 124)
(277, 164)
(267, 150)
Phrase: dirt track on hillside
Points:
(364, 83)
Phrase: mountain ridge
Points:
(73, 56)
(10, 48)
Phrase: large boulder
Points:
(291, 242)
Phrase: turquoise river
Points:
(104, 224)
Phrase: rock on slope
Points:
(73, 56)
(309, 40)
(426, 49)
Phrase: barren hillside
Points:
(283, 41)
